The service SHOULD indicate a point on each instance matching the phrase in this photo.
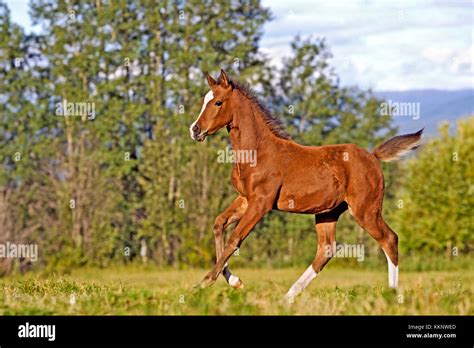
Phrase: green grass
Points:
(138, 291)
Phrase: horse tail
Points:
(395, 147)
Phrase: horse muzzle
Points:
(196, 133)
(200, 137)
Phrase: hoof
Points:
(239, 285)
(206, 282)
(235, 282)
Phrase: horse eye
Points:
(218, 103)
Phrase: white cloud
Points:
(376, 44)
(463, 61)
(382, 45)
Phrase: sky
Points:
(382, 45)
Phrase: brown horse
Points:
(320, 180)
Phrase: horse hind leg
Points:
(389, 245)
(376, 226)
(326, 232)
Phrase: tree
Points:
(184, 187)
(95, 184)
(438, 194)
(22, 135)
(318, 109)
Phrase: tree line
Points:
(97, 163)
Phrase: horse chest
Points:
(238, 181)
(246, 179)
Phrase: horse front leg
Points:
(256, 209)
(232, 214)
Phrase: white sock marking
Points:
(207, 98)
(232, 280)
(392, 273)
(302, 282)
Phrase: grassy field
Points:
(135, 291)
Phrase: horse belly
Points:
(310, 198)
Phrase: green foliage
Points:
(128, 184)
(438, 195)
(320, 111)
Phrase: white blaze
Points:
(207, 98)
(392, 273)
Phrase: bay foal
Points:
(320, 180)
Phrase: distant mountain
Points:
(435, 106)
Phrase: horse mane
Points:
(273, 123)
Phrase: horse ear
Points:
(210, 81)
(225, 82)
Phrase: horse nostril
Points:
(196, 129)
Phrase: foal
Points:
(320, 180)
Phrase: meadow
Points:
(145, 291)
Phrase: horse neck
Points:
(249, 131)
